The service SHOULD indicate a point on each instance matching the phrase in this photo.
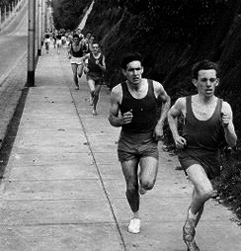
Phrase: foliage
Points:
(172, 35)
(177, 18)
(68, 14)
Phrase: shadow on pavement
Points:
(12, 130)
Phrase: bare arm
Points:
(174, 113)
(114, 118)
(69, 52)
(102, 65)
(166, 101)
(227, 123)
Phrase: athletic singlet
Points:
(77, 54)
(203, 135)
(144, 110)
(92, 66)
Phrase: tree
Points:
(68, 14)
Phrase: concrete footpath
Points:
(63, 189)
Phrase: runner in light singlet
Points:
(76, 52)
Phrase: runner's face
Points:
(76, 40)
(95, 48)
(206, 82)
(133, 72)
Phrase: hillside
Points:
(172, 36)
(170, 53)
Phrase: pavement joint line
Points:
(58, 180)
(95, 163)
(59, 224)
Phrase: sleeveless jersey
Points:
(92, 66)
(203, 135)
(144, 110)
(77, 54)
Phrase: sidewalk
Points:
(63, 189)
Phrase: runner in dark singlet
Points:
(207, 120)
(133, 107)
(95, 69)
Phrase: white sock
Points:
(191, 215)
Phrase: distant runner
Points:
(76, 52)
(134, 108)
(95, 69)
(207, 120)
(47, 42)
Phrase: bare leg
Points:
(148, 173)
(202, 192)
(91, 84)
(203, 189)
(96, 98)
(129, 169)
(80, 69)
(75, 77)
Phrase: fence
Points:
(8, 12)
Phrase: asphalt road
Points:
(13, 66)
(13, 42)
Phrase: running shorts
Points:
(136, 146)
(98, 78)
(58, 42)
(76, 60)
(210, 162)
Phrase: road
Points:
(13, 66)
(13, 42)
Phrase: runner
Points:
(94, 74)
(47, 42)
(87, 41)
(58, 42)
(76, 53)
(208, 120)
(136, 101)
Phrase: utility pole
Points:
(0, 18)
(43, 20)
(39, 26)
(31, 42)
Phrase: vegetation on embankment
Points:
(173, 35)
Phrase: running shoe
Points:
(192, 246)
(94, 112)
(134, 226)
(189, 234)
(142, 191)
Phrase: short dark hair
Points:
(88, 32)
(76, 35)
(129, 57)
(204, 65)
(95, 42)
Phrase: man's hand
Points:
(180, 142)
(86, 70)
(158, 133)
(225, 119)
(127, 117)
